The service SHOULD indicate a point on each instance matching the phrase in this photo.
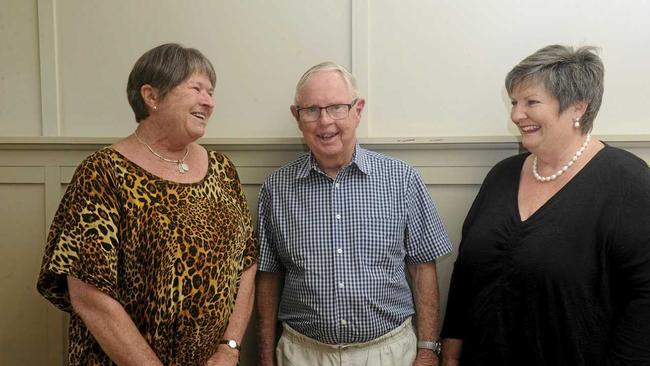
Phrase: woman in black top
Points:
(554, 265)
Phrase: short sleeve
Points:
(268, 261)
(83, 238)
(425, 237)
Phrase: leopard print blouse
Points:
(172, 254)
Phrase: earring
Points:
(155, 108)
(576, 122)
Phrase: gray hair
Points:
(349, 79)
(570, 75)
(164, 67)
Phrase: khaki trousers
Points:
(395, 348)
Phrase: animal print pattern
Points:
(170, 253)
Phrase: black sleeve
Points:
(630, 258)
(455, 322)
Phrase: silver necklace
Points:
(180, 164)
(565, 167)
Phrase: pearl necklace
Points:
(180, 164)
(565, 167)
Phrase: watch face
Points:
(230, 343)
(437, 348)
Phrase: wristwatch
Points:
(435, 346)
(231, 343)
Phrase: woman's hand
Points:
(451, 349)
(110, 324)
(225, 356)
(450, 362)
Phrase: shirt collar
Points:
(359, 159)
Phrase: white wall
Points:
(437, 67)
(428, 68)
(257, 47)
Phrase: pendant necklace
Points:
(180, 164)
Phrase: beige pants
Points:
(395, 348)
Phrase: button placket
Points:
(338, 208)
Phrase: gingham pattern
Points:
(344, 244)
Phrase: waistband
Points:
(297, 337)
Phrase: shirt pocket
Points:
(381, 242)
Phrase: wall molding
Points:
(441, 161)
(263, 143)
(47, 48)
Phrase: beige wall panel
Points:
(34, 177)
(249, 343)
(453, 202)
(437, 67)
(69, 158)
(453, 175)
(270, 158)
(24, 334)
(252, 192)
(441, 156)
(259, 49)
(11, 174)
(20, 89)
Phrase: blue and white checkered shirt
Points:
(344, 244)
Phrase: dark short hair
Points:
(164, 67)
(570, 75)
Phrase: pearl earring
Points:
(576, 122)
(155, 108)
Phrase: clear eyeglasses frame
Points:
(335, 111)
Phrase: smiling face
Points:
(331, 141)
(188, 106)
(536, 112)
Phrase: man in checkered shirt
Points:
(338, 229)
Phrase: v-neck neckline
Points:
(556, 195)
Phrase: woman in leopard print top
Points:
(151, 250)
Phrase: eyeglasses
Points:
(335, 111)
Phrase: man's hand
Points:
(269, 288)
(425, 357)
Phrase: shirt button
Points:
(337, 185)
(338, 216)
(341, 285)
(344, 322)
(339, 251)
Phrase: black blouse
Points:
(570, 285)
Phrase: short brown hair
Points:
(164, 67)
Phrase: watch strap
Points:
(435, 346)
